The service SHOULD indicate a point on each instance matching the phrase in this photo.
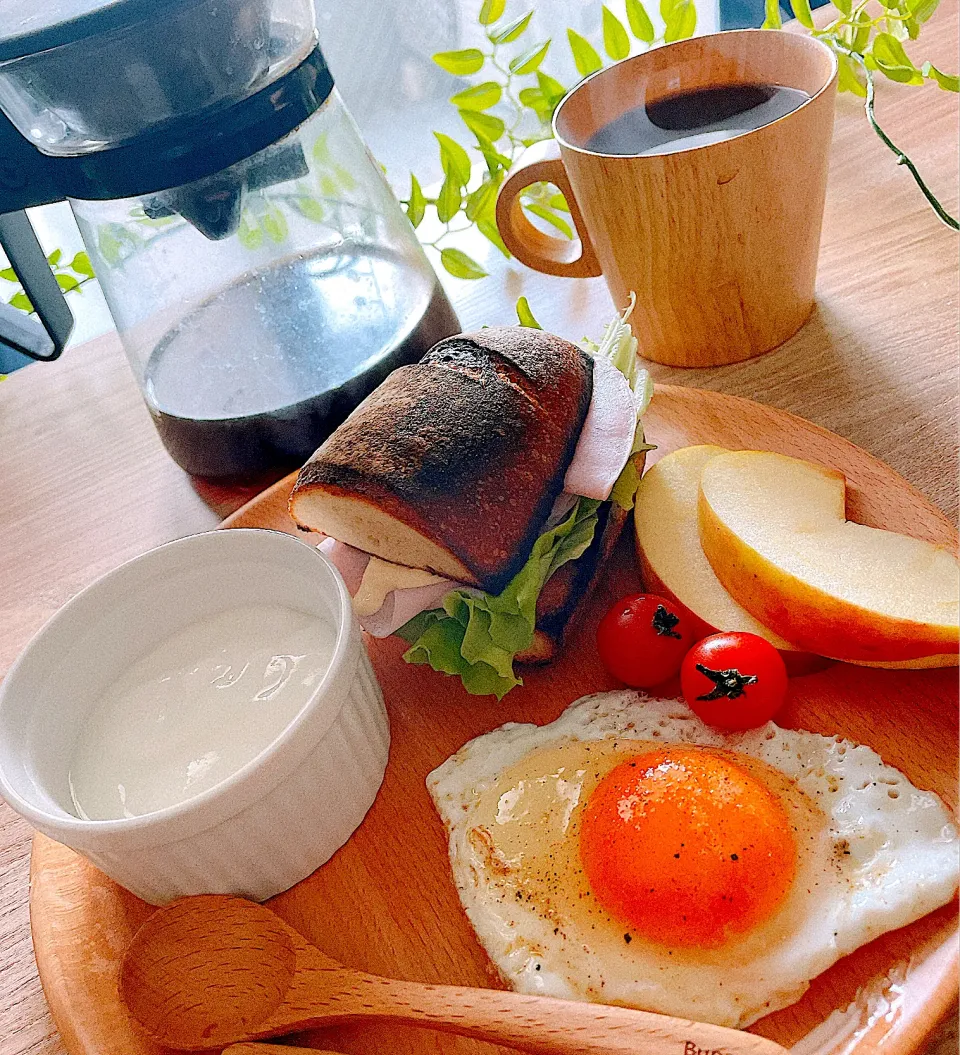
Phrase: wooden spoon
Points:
(212, 970)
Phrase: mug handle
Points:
(543, 252)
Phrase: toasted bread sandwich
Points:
(470, 500)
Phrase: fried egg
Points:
(628, 854)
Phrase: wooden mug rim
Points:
(614, 70)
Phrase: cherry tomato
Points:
(642, 639)
(734, 680)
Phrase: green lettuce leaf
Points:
(620, 346)
(476, 635)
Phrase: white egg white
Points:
(874, 854)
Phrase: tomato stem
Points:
(726, 683)
(664, 622)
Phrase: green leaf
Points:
(619, 346)
(532, 99)
(585, 56)
(494, 159)
(460, 265)
(802, 12)
(328, 185)
(551, 90)
(921, 10)
(496, 162)
(417, 204)
(476, 635)
(9, 275)
(529, 61)
(616, 43)
(892, 61)
(321, 152)
(248, 234)
(462, 63)
(112, 239)
(449, 200)
(309, 208)
(512, 30)
(843, 6)
(490, 11)
(913, 28)
(54, 258)
(558, 201)
(861, 32)
(640, 25)
(772, 19)
(525, 315)
(851, 77)
(21, 301)
(479, 97)
(680, 19)
(489, 231)
(345, 178)
(454, 159)
(482, 202)
(274, 224)
(67, 282)
(551, 218)
(624, 491)
(81, 265)
(948, 81)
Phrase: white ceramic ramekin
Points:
(274, 821)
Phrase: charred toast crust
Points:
(469, 446)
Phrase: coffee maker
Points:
(261, 274)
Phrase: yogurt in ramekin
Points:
(107, 745)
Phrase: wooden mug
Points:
(719, 242)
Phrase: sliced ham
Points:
(399, 606)
(402, 605)
(350, 562)
(607, 436)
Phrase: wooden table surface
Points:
(85, 483)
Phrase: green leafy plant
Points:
(507, 110)
(510, 103)
(70, 274)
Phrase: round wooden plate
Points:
(386, 903)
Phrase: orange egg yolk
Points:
(686, 847)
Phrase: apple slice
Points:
(672, 562)
(773, 529)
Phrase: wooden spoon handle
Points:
(254, 1048)
(535, 1024)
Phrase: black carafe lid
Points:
(152, 95)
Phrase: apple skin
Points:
(810, 617)
(920, 663)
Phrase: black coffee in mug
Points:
(695, 119)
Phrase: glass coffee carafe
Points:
(261, 274)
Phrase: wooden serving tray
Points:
(386, 903)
